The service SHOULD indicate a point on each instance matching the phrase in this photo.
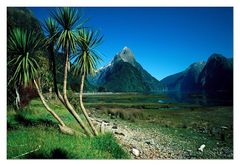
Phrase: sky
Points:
(164, 40)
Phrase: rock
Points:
(150, 142)
(135, 152)
(106, 122)
(201, 147)
(119, 133)
(114, 127)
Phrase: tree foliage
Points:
(87, 57)
(19, 17)
(22, 45)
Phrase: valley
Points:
(157, 126)
(74, 91)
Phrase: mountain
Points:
(214, 75)
(22, 17)
(124, 74)
(217, 75)
(186, 80)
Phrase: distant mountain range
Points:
(186, 80)
(214, 75)
(125, 74)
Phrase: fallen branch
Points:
(24, 154)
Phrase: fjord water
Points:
(204, 99)
(172, 98)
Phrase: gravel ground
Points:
(149, 143)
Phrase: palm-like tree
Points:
(51, 29)
(68, 18)
(85, 62)
(23, 45)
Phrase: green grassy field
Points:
(33, 128)
(184, 126)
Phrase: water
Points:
(205, 99)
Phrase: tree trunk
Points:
(82, 106)
(46, 105)
(67, 103)
(57, 92)
(17, 100)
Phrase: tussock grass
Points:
(126, 114)
(187, 126)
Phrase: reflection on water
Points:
(205, 99)
(161, 101)
(208, 99)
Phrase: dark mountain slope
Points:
(186, 81)
(217, 75)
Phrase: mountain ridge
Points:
(124, 74)
(214, 75)
(125, 66)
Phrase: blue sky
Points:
(164, 40)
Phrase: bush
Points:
(27, 94)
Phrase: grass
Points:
(33, 127)
(187, 127)
(55, 145)
(182, 126)
(216, 122)
(186, 131)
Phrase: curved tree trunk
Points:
(82, 106)
(46, 105)
(67, 103)
(62, 126)
(63, 100)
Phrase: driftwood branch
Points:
(24, 154)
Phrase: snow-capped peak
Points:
(124, 55)
(125, 48)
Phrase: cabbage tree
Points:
(85, 62)
(23, 45)
(68, 21)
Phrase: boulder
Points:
(135, 152)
